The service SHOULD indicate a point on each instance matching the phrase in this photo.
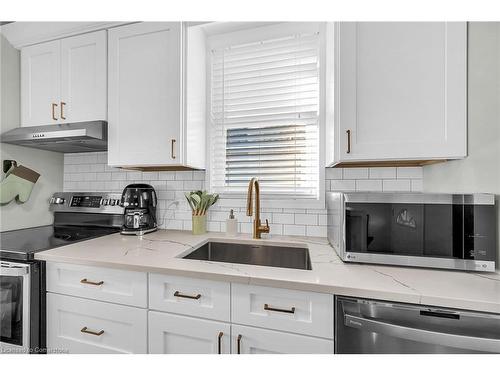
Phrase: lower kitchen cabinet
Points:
(249, 340)
(77, 325)
(174, 334)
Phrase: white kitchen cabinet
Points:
(84, 77)
(250, 340)
(184, 295)
(64, 80)
(296, 311)
(99, 283)
(147, 99)
(78, 325)
(400, 92)
(40, 84)
(174, 334)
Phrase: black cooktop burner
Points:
(23, 243)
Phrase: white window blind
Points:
(265, 116)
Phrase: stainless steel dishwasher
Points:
(370, 326)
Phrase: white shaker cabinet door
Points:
(400, 90)
(249, 340)
(82, 326)
(175, 334)
(84, 77)
(40, 84)
(144, 94)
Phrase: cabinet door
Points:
(401, 90)
(145, 94)
(40, 84)
(82, 326)
(249, 340)
(84, 78)
(174, 334)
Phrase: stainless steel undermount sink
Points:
(255, 254)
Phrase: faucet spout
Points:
(258, 229)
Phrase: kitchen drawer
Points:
(196, 297)
(104, 284)
(250, 340)
(176, 334)
(307, 313)
(77, 325)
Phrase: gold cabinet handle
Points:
(62, 110)
(89, 332)
(179, 294)
(348, 141)
(172, 148)
(54, 105)
(219, 342)
(238, 342)
(269, 308)
(85, 281)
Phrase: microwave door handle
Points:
(13, 271)
(422, 335)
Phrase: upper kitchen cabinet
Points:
(40, 84)
(64, 80)
(400, 93)
(156, 111)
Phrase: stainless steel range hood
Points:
(74, 137)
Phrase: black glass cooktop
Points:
(23, 243)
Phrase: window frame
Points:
(269, 32)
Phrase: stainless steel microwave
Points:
(454, 231)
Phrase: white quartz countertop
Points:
(162, 251)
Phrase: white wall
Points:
(480, 171)
(49, 164)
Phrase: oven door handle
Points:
(422, 335)
(14, 271)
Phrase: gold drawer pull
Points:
(62, 110)
(348, 141)
(172, 154)
(269, 308)
(219, 342)
(179, 294)
(54, 105)
(86, 330)
(238, 341)
(85, 281)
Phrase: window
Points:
(265, 113)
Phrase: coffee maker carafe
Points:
(139, 201)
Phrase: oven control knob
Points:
(112, 202)
(59, 200)
(105, 202)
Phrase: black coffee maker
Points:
(139, 201)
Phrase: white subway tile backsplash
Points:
(383, 172)
(396, 185)
(343, 185)
(90, 172)
(294, 230)
(410, 172)
(368, 185)
(284, 218)
(355, 173)
(417, 185)
(316, 231)
(333, 173)
(308, 219)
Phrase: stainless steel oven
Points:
(20, 307)
(455, 231)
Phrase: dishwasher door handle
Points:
(422, 335)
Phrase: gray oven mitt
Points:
(19, 183)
